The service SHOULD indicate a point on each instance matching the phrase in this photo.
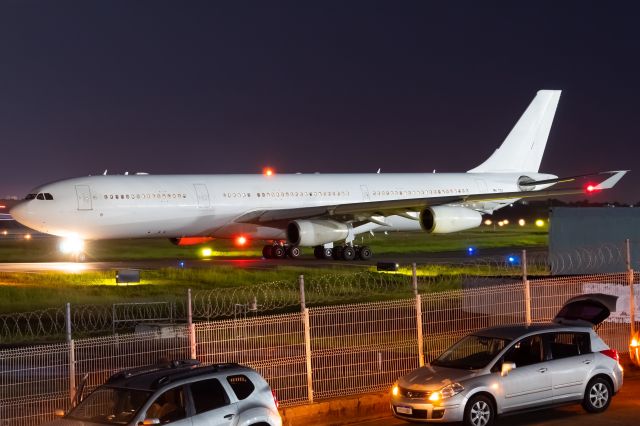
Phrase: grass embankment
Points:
(21, 292)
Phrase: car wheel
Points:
(479, 411)
(597, 395)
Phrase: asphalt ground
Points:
(624, 410)
(458, 258)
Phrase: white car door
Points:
(211, 404)
(529, 384)
(571, 363)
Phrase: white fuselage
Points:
(173, 206)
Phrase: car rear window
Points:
(241, 385)
(208, 395)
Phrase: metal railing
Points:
(314, 354)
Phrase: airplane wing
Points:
(363, 211)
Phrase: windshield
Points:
(110, 406)
(471, 353)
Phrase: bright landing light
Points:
(71, 245)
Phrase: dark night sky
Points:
(344, 86)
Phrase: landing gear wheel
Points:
(365, 253)
(597, 395)
(348, 253)
(337, 253)
(479, 412)
(327, 253)
(294, 252)
(318, 252)
(267, 252)
(278, 252)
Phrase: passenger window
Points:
(527, 351)
(208, 395)
(564, 345)
(241, 385)
(40, 196)
(168, 407)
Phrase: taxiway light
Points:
(506, 221)
(206, 252)
(539, 223)
(521, 222)
(501, 223)
(471, 251)
(513, 260)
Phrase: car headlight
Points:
(395, 390)
(451, 390)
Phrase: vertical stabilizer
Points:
(522, 150)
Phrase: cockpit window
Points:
(48, 196)
(30, 196)
(40, 196)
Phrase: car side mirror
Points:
(151, 421)
(506, 368)
(58, 413)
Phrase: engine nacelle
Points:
(445, 219)
(309, 233)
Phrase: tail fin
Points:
(522, 150)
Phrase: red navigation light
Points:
(591, 188)
(268, 171)
(241, 240)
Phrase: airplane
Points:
(290, 211)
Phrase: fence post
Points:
(192, 327)
(632, 300)
(303, 303)
(527, 289)
(414, 281)
(307, 346)
(72, 355)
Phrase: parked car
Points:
(502, 370)
(179, 393)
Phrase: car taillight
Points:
(275, 398)
(611, 353)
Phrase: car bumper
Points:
(406, 409)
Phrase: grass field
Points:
(32, 291)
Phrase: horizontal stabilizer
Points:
(617, 175)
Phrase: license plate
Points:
(404, 410)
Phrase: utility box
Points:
(591, 240)
(124, 276)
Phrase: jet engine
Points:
(446, 219)
(308, 233)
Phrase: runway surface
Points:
(485, 256)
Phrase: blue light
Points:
(513, 260)
(471, 251)
(181, 263)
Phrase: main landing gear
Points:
(343, 253)
(279, 251)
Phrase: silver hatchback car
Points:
(179, 393)
(502, 370)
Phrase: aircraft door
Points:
(203, 196)
(365, 192)
(83, 193)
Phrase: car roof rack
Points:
(159, 366)
(213, 368)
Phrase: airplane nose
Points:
(20, 212)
